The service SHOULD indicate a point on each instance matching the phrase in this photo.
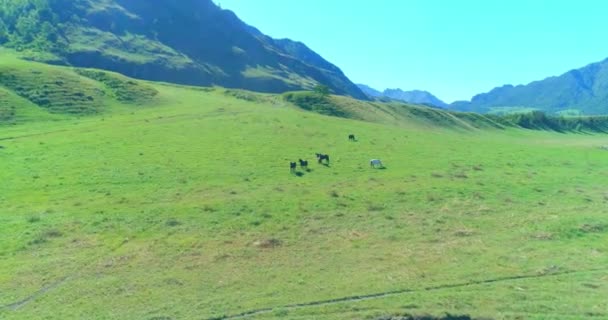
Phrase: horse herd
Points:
(324, 159)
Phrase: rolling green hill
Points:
(205, 45)
(158, 201)
(33, 92)
(584, 90)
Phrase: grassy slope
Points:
(54, 89)
(160, 212)
(33, 92)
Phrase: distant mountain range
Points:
(583, 90)
(414, 96)
(187, 41)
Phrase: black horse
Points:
(292, 166)
(351, 137)
(303, 164)
(321, 157)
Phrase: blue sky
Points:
(454, 49)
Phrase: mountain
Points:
(414, 96)
(188, 42)
(584, 90)
(369, 91)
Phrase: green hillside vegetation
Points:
(539, 120)
(124, 89)
(510, 110)
(183, 206)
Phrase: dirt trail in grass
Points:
(370, 296)
(31, 135)
(17, 305)
(23, 302)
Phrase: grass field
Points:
(181, 206)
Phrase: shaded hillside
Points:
(189, 42)
(584, 90)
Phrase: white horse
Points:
(375, 163)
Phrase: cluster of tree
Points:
(540, 120)
(322, 90)
(31, 24)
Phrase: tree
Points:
(3, 33)
(321, 90)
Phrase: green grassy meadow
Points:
(177, 203)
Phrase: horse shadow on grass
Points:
(302, 173)
(380, 168)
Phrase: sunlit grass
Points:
(187, 209)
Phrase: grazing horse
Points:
(321, 157)
(351, 137)
(304, 164)
(375, 163)
(292, 166)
